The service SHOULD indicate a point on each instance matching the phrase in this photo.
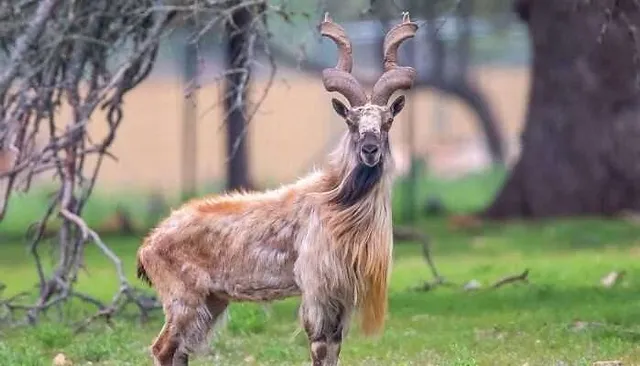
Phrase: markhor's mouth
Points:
(370, 161)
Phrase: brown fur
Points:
(270, 245)
(326, 238)
(223, 207)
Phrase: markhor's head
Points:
(369, 118)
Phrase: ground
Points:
(563, 317)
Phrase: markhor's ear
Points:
(339, 107)
(397, 105)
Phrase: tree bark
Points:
(581, 141)
(189, 121)
(238, 35)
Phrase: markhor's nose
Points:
(370, 149)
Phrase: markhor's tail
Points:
(142, 273)
(373, 310)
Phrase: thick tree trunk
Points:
(238, 34)
(581, 142)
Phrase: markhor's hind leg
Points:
(325, 326)
(187, 326)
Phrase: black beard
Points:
(358, 184)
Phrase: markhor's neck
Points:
(353, 181)
(359, 182)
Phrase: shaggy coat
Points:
(326, 237)
(328, 234)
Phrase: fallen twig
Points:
(9, 306)
(409, 233)
(475, 285)
(522, 277)
(124, 297)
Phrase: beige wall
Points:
(289, 133)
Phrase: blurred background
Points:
(464, 113)
(517, 156)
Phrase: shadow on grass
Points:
(543, 236)
(615, 306)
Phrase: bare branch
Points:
(82, 56)
(522, 277)
(45, 8)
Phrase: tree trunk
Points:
(581, 141)
(189, 121)
(239, 42)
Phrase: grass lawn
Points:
(563, 317)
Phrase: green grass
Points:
(513, 325)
